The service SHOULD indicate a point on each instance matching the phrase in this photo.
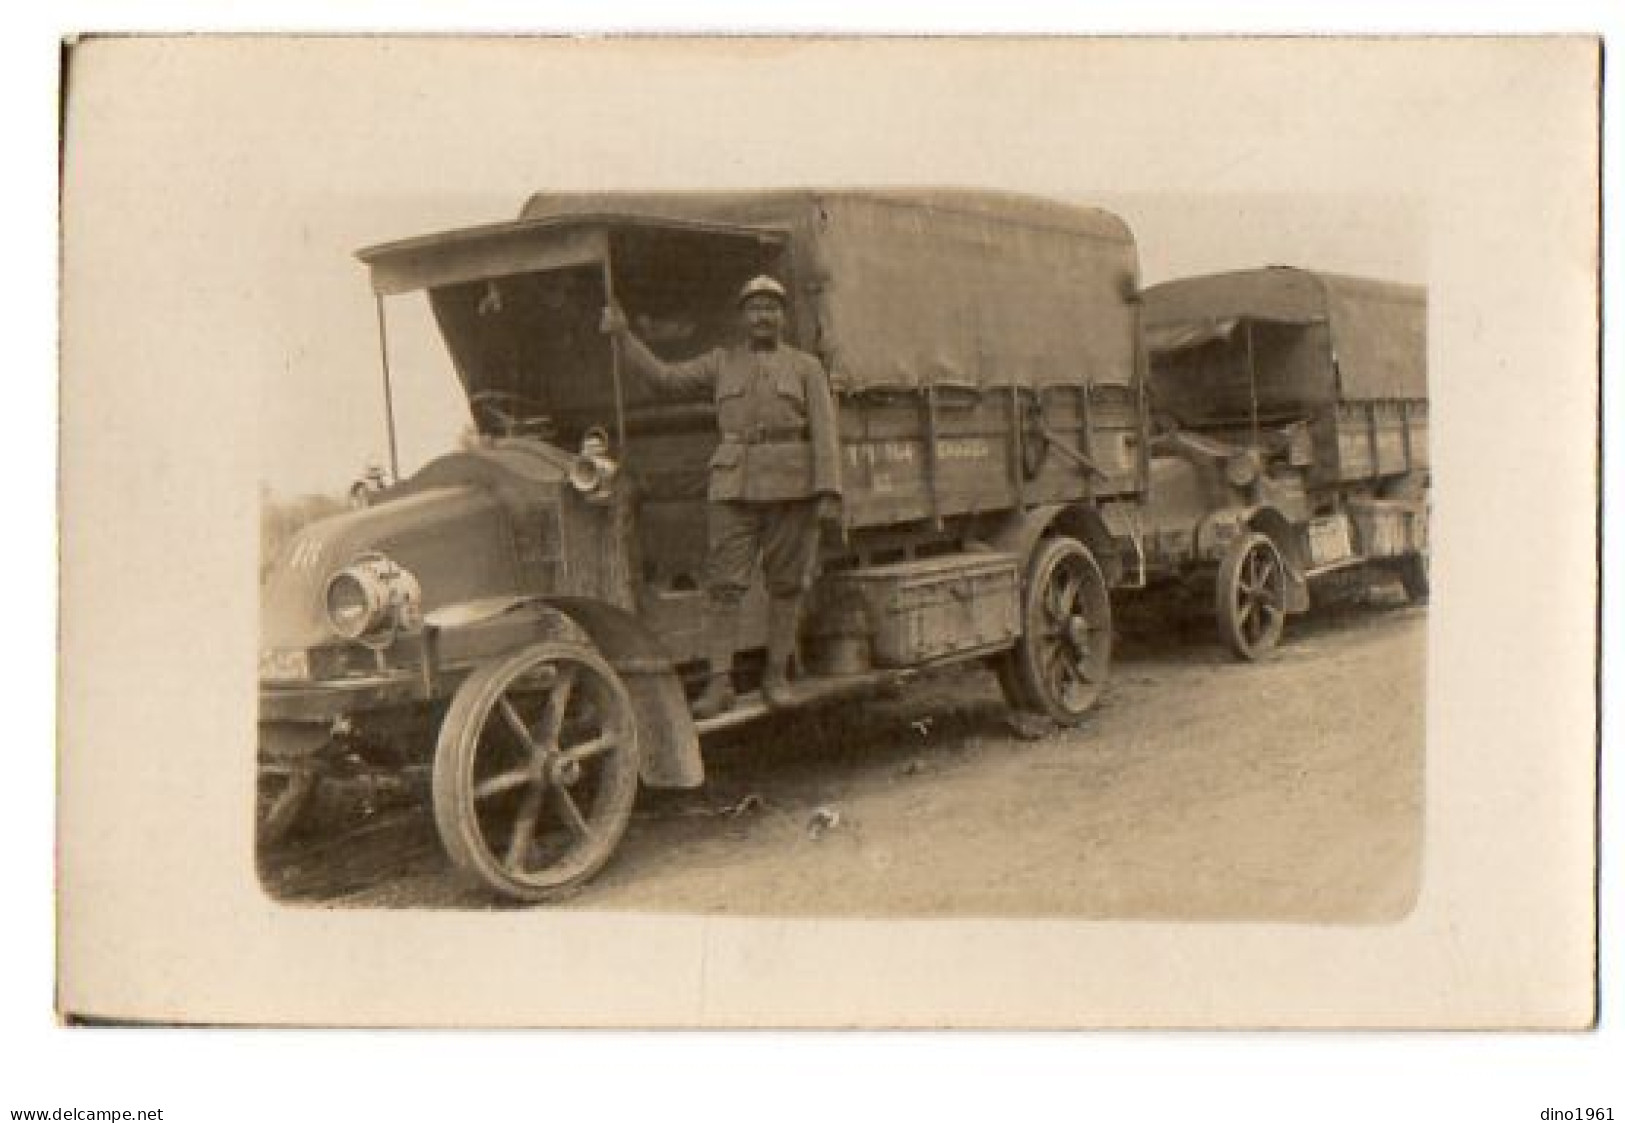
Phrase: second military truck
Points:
(1290, 410)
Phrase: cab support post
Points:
(389, 395)
(615, 362)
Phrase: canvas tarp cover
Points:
(1377, 329)
(935, 287)
(919, 297)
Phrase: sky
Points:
(243, 175)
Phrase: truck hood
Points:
(449, 525)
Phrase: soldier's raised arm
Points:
(699, 373)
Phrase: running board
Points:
(1333, 567)
(805, 692)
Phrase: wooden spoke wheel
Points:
(536, 771)
(1059, 665)
(285, 794)
(1251, 596)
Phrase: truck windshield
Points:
(530, 342)
(1272, 371)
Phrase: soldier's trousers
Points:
(784, 534)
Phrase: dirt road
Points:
(1200, 789)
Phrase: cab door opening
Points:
(678, 288)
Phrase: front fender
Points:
(668, 742)
(468, 633)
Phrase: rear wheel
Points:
(1251, 596)
(1058, 667)
(536, 771)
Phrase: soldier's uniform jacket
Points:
(776, 418)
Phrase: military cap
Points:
(763, 286)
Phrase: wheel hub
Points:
(1076, 630)
(563, 772)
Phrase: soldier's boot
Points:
(720, 633)
(783, 620)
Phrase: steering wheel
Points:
(515, 414)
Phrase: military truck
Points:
(523, 618)
(1290, 411)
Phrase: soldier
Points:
(774, 476)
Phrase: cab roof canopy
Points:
(499, 249)
(893, 288)
(1375, 332)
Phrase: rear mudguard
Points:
(1020, 534)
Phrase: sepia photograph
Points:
(829, 532)
(828, 509)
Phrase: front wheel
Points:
(536, 771)
(1251, 597)
(1059, 665)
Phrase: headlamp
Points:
(1241, 469)
(592, 473)
(372, 598)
